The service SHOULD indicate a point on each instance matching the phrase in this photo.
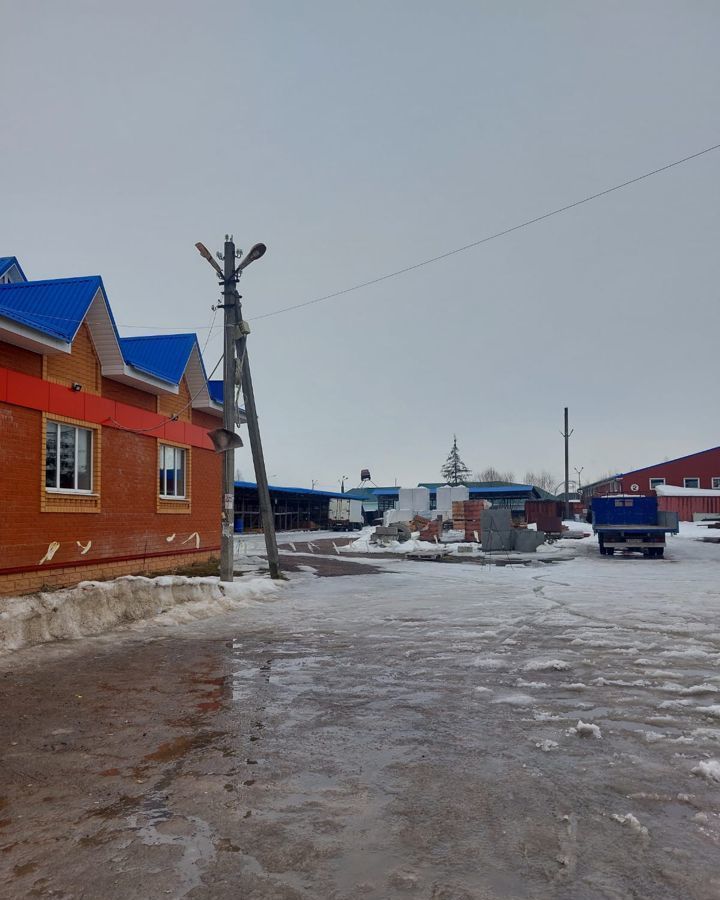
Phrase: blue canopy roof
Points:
(162, 355)
(56, 307)
(294, 490)
(506, 489)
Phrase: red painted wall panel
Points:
(704, 465)
(686, 506)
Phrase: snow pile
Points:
(672, 687)
(96, 606)
(632, 823)
(585, 729)
(546, 665)
(547, 745)
(709, 770)
(363, 545)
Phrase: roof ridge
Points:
(34, 282)
(154, 337)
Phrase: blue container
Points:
(621, 511)
(239, 526)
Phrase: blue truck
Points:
(624, 522)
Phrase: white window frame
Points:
(715, 482)
(161, 468)
(691, 478)
(73, 490)
(657, 482)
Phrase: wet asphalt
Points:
(362, 736)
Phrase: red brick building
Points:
(103, 440)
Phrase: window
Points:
(715, 482)
(654, 482)
(691, 482)
(172, 472)
(68, 458)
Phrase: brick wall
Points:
(24, 361)
(123, 393)
(80, 365)
(176, 404)
(205, 420)
(126, 520)
(42, 579)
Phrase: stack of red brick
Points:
(466, 517)
(431, 531)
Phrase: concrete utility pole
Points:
(227, 554)
(238, 372)
(566, 434)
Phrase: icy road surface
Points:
(437, 731)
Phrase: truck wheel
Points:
(660, 552)
(610, 551)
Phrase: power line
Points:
(490, 237)
(175, 415)
(432, 259)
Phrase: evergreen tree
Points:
(455, 471)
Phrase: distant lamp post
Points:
(342, 484)
(578, 473)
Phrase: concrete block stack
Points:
(497, 530)
(446, 495)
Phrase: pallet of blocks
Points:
(432, 531)
(466, 517)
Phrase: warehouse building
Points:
(695, 476)
(697, 471)
(502, 495)
(295, 509)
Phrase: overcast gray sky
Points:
(355, 139)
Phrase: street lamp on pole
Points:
(236, 372)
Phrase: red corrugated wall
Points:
(686, 506)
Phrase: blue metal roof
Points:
(295, 490)
(216, 390)
(513, 489)
(386, 492)
(55, 307)
(163, 355)
(7, 262)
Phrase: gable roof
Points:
(7, 263)
(668, 462)
(44, 316)
(162, 355)
(56, 307)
